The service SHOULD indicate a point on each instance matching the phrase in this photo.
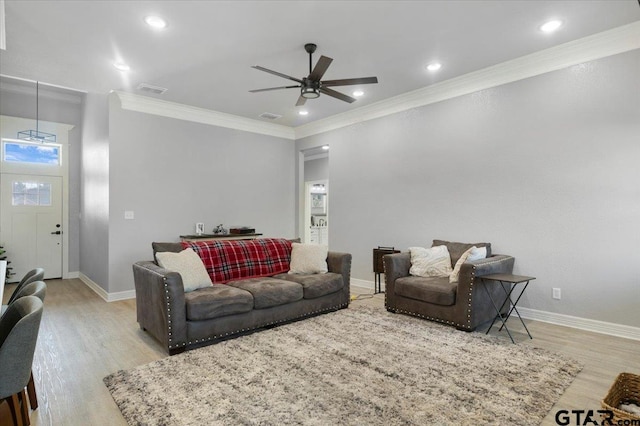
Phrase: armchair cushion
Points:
(430, 262)
(457, 249)
(436, 290)
(473, 254)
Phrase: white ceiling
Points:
(204, 56)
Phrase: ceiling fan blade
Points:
(350, 81)
(320, 68)
(273, 88)
(279, 74)
(337, 95)
(301, 101)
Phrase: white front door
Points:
(31, 223)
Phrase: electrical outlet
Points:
(557, 294)
(129, 215)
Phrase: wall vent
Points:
(144, 87)
(270, 116)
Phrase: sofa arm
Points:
(396, 266)
(160, 304)
(496, 264)
(474, 305)
(340, 263)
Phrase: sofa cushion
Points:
(456, 249)
(308, 258)
(230, 260)
(188, 264)
(434, 290)
(216, 301)
(269, 292)
(316, 285)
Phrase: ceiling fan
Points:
(312, 86)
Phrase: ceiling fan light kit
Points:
(312, 86)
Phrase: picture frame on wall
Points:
(318, 204)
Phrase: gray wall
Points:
(174, 173)
(317, 169)
(545, 168)
(94, 225)
(17, 99)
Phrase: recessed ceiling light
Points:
(358, 93)
(122, 66)
(325, 147)
(303, 112)
(155, 22)
(551, 26)
(435, 66)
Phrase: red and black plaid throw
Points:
(236, 259)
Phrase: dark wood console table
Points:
(212, 237)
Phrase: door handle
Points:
(56, 233)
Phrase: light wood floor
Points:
(83, 339)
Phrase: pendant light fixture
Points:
(36, 135)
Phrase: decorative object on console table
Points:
(507, 281)
(378, 265)
(242, 230)
(199, 228)
(219, 230)
(212, 237)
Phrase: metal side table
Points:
(510, 281)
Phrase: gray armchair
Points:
(19, 328)
(463, 305)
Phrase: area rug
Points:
(357, 366)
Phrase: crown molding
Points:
(607, 43)
(27, 87)
(133, 102)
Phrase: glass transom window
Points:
(32, 153)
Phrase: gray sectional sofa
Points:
(183, 320)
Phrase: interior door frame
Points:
(10, 127)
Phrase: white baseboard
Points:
(618, 330)
(107, 297)
(364, 284)
(72, 275)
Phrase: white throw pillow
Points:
(474, 253)
(308, 259)
(189, 265)
(430, 262)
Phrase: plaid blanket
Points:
(228, 260)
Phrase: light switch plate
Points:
(129, 215)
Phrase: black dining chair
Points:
(18, 336)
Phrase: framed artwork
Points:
(199, 228)
(318, 204)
